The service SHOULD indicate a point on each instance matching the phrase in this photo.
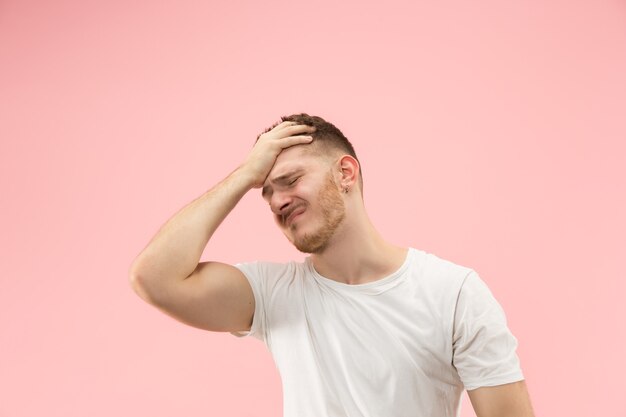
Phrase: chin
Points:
(312, 249)
(314, 242)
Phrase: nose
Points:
(280, 202)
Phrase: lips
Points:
(293, 214)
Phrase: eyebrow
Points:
(281, 179)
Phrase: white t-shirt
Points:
(402, 346)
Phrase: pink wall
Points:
(491, 134)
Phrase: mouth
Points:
(293, 215)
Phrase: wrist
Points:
(245, 177)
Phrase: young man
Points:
(361, 328)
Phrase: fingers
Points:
(289, 135)
(292, 128)
(295, 140)
(283, 125)
(295, 129)
(288, 129)
(294, 135)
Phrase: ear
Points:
(349, 169)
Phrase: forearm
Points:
(175, 251)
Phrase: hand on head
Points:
(270, 144)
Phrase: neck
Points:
(358, 254)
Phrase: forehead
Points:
(295, 158)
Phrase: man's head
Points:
(312, 186)
(328, 140)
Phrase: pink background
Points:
(491, 133)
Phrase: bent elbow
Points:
(138, 284)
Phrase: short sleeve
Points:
(484, 349)
(252, 271)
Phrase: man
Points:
(361, 328)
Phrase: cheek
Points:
(307, 192)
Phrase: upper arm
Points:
(215, 297)
(507, 400)
(484, 349)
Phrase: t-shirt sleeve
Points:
(253, 272)
(484, 349)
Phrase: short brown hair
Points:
(326, 135)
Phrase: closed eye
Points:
(294, 181)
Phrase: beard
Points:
(333, 212)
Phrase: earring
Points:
(345, 190)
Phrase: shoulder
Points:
(439, 272)
(270, 272)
